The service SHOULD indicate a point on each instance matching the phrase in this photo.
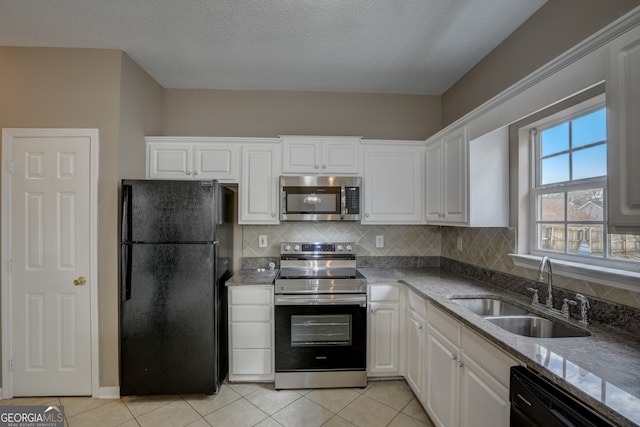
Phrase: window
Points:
(568, 195)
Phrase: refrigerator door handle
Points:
(126, 272)
(126, 213)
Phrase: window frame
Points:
(579, 266)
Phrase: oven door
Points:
(320, 333)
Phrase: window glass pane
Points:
(585, 205)
(624, 246)
(590, 162)
(555, 169)
(555, 139)
(551, 207)
(585, 239)
(551, 237)
(589, 129)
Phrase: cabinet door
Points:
(217, 161)
(434, 185)
(415, 340)
(442, 380)
(169, 161)
(258, 187)
(341, 157)
(454, 153)
(393, 190)
(623, 129)
(301, 156)
(483, 400)
(384, 338)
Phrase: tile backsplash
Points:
(488, 248)
(399, 240)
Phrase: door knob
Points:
(80, 281)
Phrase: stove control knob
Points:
(349, 248)
(296, 248)
(287, 248)
(340, 248)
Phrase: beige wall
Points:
(552, 30)
(88, 88)
(271, 113)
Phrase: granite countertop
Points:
(602, 370)
(254, 276)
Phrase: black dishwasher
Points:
(536, 402)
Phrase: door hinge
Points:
(10, 167)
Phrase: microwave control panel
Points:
(352, 200)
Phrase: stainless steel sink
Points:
(490, 306)
(537, 327)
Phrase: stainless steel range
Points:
(320, 317)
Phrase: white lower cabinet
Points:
(467, 377)
(251, 333)
(416, 339)
(384, 330)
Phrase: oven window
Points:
(320, 329)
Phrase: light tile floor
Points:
(381, 403)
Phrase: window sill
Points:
(606, 276)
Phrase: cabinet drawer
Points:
(251, 335)
(384, 292)
(417, 304)
(250, 313)
(444, 324)
(250, 362)
(251, 296)
(495, 361)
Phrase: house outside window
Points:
(568, 195)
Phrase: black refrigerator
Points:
(176, 251)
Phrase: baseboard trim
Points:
(109, 392)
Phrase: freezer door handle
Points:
(126, 272)
(126, 213)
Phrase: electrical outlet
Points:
(379, 241)
(459, 244)
(262, 241)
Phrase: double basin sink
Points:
(519, 320)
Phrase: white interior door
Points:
(50, 265)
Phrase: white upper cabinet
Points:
(467, 182)
(258, 187)
(393, 178)
(623, 127)
(446, 179)
(189, 158)
(307, 155)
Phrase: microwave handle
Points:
(343, 200)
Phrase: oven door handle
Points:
(321, 299)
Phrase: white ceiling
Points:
(380, 46)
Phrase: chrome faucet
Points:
(584, 308)
(546, 261)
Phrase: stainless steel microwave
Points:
(320, 198)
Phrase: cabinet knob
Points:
(273, 214)
(188, 172)
(373, 310)
(454, 357)
(316, 166)
(367, 215)
(420, 327)
(324, 166)
(195, 173)
(460, 364)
